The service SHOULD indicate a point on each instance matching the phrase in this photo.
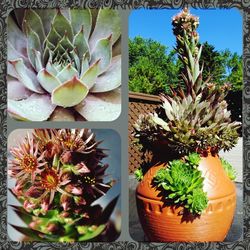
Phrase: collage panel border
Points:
(124, 242)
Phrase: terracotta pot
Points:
(163, 223)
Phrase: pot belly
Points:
(167, 223)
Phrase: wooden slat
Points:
(139, 104)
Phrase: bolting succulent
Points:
(58, 175)
(196, 118)
(64, 64)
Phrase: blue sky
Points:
(221, 28)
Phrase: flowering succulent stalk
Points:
(59, 174)
(195, 118)
(64, 64)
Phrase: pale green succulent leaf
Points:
(76, 60)
(48, 54)
(110, 79)
(66, 43)
(14, 54)
(51, 69)
(81, 44)
(16, 37)
(101, 107)
(46, 18)
(67, 73)
(81, 18)
(108, 22)
(84, 64)
(62, 25)
(60, 50)
(48, 81)
(90, 76)
(168, 110)
(11, 70)
(26, 76)
(160, 122)
(70, 93)
(38, 60)
(16, 90)
(34, 21)
(53, 37)
(92, 234)
(33, 43)
(34, 108)
(103, 51)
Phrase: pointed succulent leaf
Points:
(70, 93)
(16, 37)
(108, 211)
(46, 19)
(110, 79)
(62, 25)
(26, 76)
(101, 107)
(160, 122)
(84, 64)
(76, 60)
(66, 43)
(103, 51)
(92, 234)
(89, 77)
(14, 54)
(168, 110)
(34, 108)
(31, 233)
(67, 73)
(108, 22)
(53, 37)
(22, 214)
(16, 90)
(32, 19)
(51, 69)
(48, 81)
(33, 43)
(11, 70)
(81, 18)
(38, 61)
(81, 44)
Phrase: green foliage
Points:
(151, 69)
(182, 183)
(231, 172)
(138, 174)
(214, 63)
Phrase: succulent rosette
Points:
(64, 64)
(58, 186)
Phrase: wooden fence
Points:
(138, 104)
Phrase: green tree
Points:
(234, 69)
(214, 64)
(151, 69)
